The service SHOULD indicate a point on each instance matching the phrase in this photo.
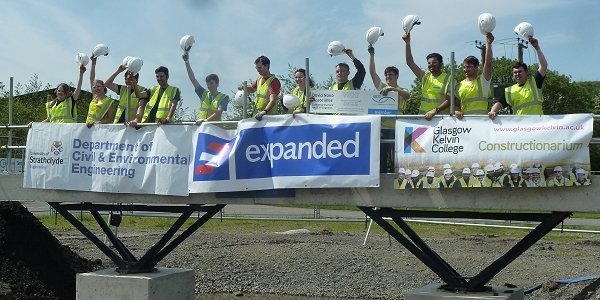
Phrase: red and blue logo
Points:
(211, 159)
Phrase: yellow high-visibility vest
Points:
(472, 99)
(164, 102)
(98, 109)
(262, 95)
(62, 112)
(207, 107)
(526, 99)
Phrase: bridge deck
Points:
(579, 199)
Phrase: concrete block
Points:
(165, 284)
(434, 292)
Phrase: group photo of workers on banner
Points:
(520, 151)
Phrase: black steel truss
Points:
(452, 279)
(125, 261)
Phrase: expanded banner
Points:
(511, 151)
(305, 151)
(108, 158)
(354, 102)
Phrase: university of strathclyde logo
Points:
(56, 148)
(411, 135)
(211, 160)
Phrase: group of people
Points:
(493, 175)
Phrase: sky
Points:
(43, 37)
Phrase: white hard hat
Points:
(401, 171)
(82, 59)
(515, 170)
(535, 171)
(431, 169)
(430, 174)
(335, 48)
(126, 60)
(134, 65)
(100, 50)
(487, 23)
(580, 171)
(409, 21)
(498, 166)
(373, 35)
(466, 171)
(415, 173)
(524, 29)
(558, 169)
(447, 171)
(186, 42)
(479, 173)
(475, 166)
(290, 101)
(447, 166)
(407, 172)
(513, 165)
(489, 168)
(239, 98)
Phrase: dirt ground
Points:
(309, 265)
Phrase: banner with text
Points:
(305, 151)
(511, 151)
(354, 102)
(108, 158)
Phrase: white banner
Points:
(305, 151)
(515, 151)
(108, 158)
(354, 102)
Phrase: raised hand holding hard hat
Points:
(133, 64)
(100, 50)
(335, 48)
(373, 35)
(409, 21)
(487, 23)
(525, 30)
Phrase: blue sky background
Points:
(43, 37)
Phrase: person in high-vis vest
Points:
(473, 91)
(62, 109)
(212, 102)
(127, 105)
(267, 88)
(157, 104)
(448, 180)
(525, 96)
(534, 178)
(430, 181)
(101, 108)
(298, 91)
(463, 181)
(581, 178)
(479, 179)
(435, 83)
(559, 179)
(342, 72)
(515, 179)
(391, 74)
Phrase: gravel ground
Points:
(323, 265)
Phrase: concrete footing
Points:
(434, 292)
(165, 284)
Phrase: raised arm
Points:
(542, 59)
(93, 71)
(487, 64)
(79, 82)
(376, 79)
(410, 62)
(110, 80)
(190, 72)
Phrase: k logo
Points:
(410, 139)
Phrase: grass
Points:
(426, 231)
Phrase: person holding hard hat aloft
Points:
(128, 100)
(435, 83)
(342, 72)
(525, 96)
(62, 109)
(212, 102)
(473, 91)
(157, 104)
(101, 109)
(388, 125)
(267, 88)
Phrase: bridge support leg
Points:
(125, 261)
(452, 279)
